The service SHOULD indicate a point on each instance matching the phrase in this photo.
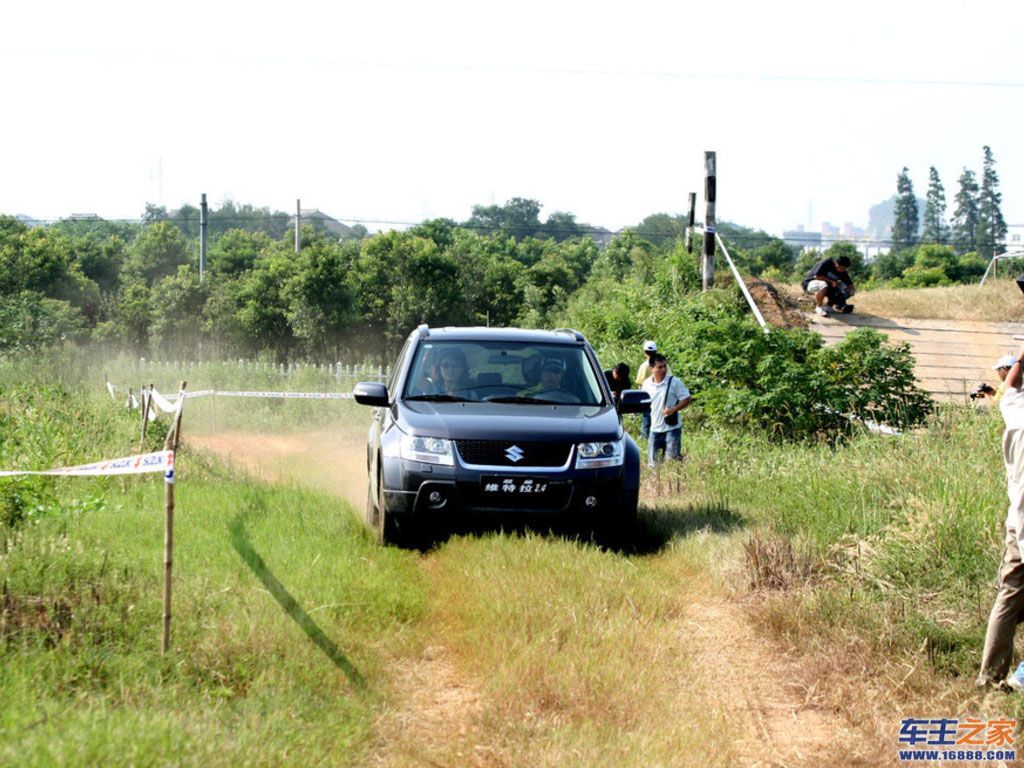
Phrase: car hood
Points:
(510, 421)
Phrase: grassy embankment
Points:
(997, 300)
(880, 555)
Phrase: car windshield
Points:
(502, 372)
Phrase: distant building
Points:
(800, 239)
(1014, 242)
(321, 220)
(850, 232)
(29, 221)
(599, 235)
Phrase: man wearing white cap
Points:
(1009, 604)
(650, 349)
(1002, 367)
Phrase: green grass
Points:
(82, 680)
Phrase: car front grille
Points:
(500, 453)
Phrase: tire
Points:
(617, 528)
(371, 514)
(388, 527)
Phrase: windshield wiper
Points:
(440, 398)
(524, 399)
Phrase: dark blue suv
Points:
(491, 421)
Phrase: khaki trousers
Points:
(1006, 613)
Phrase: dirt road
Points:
(434, 715)
(328, 460)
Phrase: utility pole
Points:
(689, 222)
(298, 219)
(707, 267)
(202, 235)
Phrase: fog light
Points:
(590, 501)
(435, 496)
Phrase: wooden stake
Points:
(147, 396)
(707, 266)
(170, 444)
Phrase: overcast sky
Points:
(401, 111)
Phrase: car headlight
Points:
(606, 454)
(429, 450)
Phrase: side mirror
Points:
(634, 401)
(371, 393)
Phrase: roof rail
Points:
(422, 330)
(570, 332)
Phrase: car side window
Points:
(399, 364)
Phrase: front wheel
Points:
(388, 527)
(616, 529)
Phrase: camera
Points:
(982, 390)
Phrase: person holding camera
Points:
(985, 390)
(1009, 603)
(831, 284)
(668, 397)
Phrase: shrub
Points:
(784, 383)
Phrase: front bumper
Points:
(426, 489)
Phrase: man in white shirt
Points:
(668, 397)
(650, 347)
(1009, 603)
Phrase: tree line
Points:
(977, 224)
(135, 286)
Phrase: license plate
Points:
(514, 486)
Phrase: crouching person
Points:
(668, 397)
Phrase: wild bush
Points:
(784, 383)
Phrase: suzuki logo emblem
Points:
(514, 453)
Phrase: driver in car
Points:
(552, 372)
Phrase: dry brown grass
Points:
(858, 676)
(996, 301)
(775, 562)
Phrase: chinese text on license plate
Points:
(514, 485)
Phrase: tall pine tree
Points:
(965, 215)
(904, 217)
(935, 228)
(991, 224)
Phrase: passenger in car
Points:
(454, 373)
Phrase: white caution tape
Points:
(161, 402)
(161, 461)
(300, 395)
(170, 405)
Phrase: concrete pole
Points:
(202, 235)
(707, 267)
